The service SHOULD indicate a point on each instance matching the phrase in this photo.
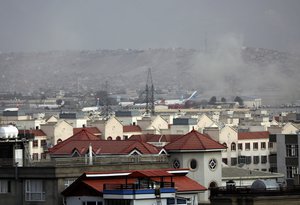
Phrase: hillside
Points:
(234, 71)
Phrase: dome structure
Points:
(9, 132)
(260, 184)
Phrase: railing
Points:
(101, 160)
(246, 191)
(151, 185)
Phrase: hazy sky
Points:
(35, 25)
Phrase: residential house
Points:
(57, 131)
(129, 130)
(128, 117)
(37, 147)
(183, 125)
(111, 129)
(290, 128)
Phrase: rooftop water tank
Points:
(9, 132)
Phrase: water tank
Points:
(9, 132)
(259, 185)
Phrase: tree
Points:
(223, 100)
(239, 100)
(212, 100)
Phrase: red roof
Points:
(83, 134)
(155, 138)
(103, 147)
(37, 133)
(131, 128)
(194, 141)
(182, 182)
(253, 135)
(93, 130)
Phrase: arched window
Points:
(109, 138)
(233, 146)
(118, 138)
(225, 145)
(213, 185)
(59, 141)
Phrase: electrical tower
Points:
(106, 108)
(149, 94)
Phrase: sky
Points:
(35, 25)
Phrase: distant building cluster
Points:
(172, 157)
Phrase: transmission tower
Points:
(106, 109)
(149, 94)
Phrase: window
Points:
(35, 143)
(118, 138)
(59, 141)
(233, 161)
(43, 155)
(92, 203)
(4, 186)
(262, 145)
(109, 138)
(233, 146)
(291, 171)
(35, 156)
(292, 150)
(68, 182)
(241, 159)
(248, 159)
(125, 137)
(240, 146)
(176, 164)
(43, 143)
(255, 159)
(255, 146)
(34, 190)
(225, 145)
(212, 164)
(247, 146)
(270, 145)
(264, 159)
(224, 160)
(193, 164)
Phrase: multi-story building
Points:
(284, 156)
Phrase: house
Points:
(57, 131)
(72, 119)
(111, 129)
(183, 125)
(204, 121)
(153, 124)
(202, 155)
(128, 117)
(129, 130)
(133, 187)
(94, 130)
(227, 136)
(37, 147)
(290, 128)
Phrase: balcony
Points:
(139, 191)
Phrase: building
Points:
(133, 187)
(284, 157)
